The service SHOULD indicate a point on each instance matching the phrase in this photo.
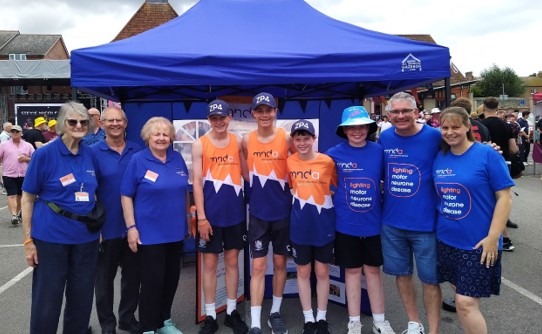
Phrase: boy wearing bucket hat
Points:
(357, 201)
(50, 134)
(312, 221)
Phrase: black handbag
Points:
(516, 166)
(94, 220)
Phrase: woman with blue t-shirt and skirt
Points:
(473, 185)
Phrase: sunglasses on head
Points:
(73, 122)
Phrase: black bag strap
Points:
(67, 214)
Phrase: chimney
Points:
(469, 76)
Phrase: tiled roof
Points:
(6, 36)
(29, 44)
(456, 75)
(150, 15)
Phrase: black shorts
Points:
(13, 185)
(305, 254)
(261, 232)
(223, 238)
(354, 252)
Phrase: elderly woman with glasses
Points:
(58, 189)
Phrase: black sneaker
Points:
(309, 328)
(14, 220)
(323, 327)
(449, 304)
(511, 224)
(209, 326)
(507, 246)
(235, 322)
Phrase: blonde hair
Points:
(152, 124)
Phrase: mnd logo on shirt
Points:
(456, 201)
(403, 179)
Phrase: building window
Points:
(19, 90)
(17, 56)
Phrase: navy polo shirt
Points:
(158, 191)
(110, 168)
(56, 175)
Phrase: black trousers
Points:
(160, 269)
(116, 253)
(525, 149)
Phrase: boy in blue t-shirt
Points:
(312, 221)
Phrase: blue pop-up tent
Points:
(231, 47)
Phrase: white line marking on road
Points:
(7, 246)
(15, 279)
(2, 208)
(522, 291)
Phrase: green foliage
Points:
(492, 82)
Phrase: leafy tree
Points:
(494, 78)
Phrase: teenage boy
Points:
(266, 150)
(358, 248)
(312, 222)
(218, 166)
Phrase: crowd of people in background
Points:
(357, 205)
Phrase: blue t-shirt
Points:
(410, 200)
(69, 181)
(357, 200)
(110, 168)
(158, 191)
(466, 185)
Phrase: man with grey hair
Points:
(409, 151)
(4, 136)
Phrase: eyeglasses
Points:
(400, 111)
(73, 122)
(113, 120)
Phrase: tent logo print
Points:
(411, 64)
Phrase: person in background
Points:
(526, 136)
(502, 135)
(220, 212)
(5, 135)
(312, 222)
(409, 213)
(96, 133)
(112, 156)
(434, 120)
(62, 249)
(35, 136)
(473, 185)
(50, 134)
(383, 126)
(155, 203)
(358, 208)
(15, 154)
(270, 202)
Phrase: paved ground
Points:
(517, 310)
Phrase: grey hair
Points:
(7, 125)
(400, 96)
(70, 108)
(102, 117)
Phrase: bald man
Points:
(96, 133)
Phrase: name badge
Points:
(67, 179)
(81, 196)
(151, 176)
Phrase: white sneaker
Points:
(382, 327)
(414, 328)
(354, 327)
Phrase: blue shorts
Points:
(463, 269)
(399, 247)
